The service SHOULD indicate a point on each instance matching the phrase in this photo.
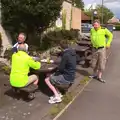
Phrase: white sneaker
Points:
(60, 95)
(55, 100)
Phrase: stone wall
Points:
(6, 40)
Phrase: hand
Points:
(107, 47)
(36, 58)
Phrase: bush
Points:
(53, 38)
(34, 50)
(50, 39)
(29, 15)
(117, 27)
(1, 47)
(8, 53)
(4, 68)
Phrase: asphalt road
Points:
(100, 101)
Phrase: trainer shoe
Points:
(101, 80)
(55, 100)
(60, 95)
(93, 76)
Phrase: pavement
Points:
(100, 101)
(12, 108)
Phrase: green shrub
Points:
(53, 38)
(34, 50)
(1, 47)
(4, 68)
(117, 27)
(8, 53)
(64, 19)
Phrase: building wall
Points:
(73, 16)
(0, 12)
(67, 7)
(113, 20)
(76, 18)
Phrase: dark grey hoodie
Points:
(67, 65)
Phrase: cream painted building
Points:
(72, 16)
(114, 20)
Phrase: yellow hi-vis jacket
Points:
(21, 63)
(98, 37)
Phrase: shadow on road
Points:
(42, 85)
(21, 95)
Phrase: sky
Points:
(114, 5)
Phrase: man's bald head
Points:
(22, 47)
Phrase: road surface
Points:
(100, 101)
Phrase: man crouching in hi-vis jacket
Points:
(21, 64)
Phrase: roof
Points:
(113, 20)
(84, 16)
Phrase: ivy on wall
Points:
(71, 19)
(64, 19)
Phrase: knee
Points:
(102, 69)
(47, 79)
(35, 77)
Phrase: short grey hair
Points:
(23, 35)
(22, 47)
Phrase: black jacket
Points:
(67, 65)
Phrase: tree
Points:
(78, 3)
(107, 13)
(29, 15)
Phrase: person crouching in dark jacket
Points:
(65, 74)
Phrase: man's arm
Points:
(91, 36)
(15, 45)
(62, 63)
(14, 48)
(33, 64)
(26, 46)
(110, 37)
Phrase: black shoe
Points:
(93, 77)
(101, 80)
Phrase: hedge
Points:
(117, 27)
